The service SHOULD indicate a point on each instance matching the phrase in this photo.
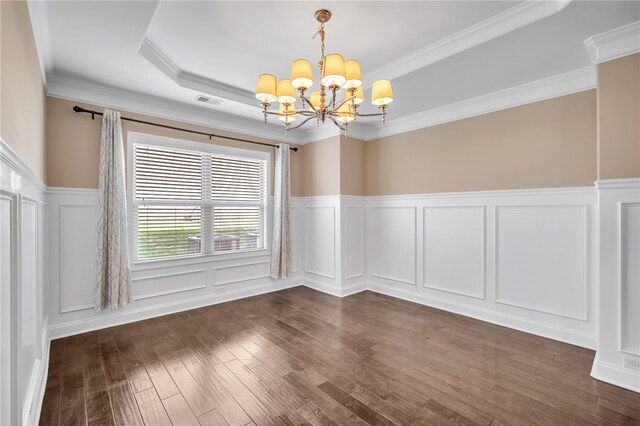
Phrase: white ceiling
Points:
(437, 53)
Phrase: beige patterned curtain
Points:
(113, 289)
(281, 241)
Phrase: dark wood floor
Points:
(302, 357)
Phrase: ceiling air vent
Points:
(208, 100)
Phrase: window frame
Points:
(137, 138)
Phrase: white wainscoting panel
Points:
(355, 252)
(630, 278)
(29, 289)
(519, 258)
(230, 274)
(78, 252)
(164, 284)
(23, 344)
(297, 237)
(392, 240)
(541, 258)
(454, 249)
(7, 271)
(320, 241)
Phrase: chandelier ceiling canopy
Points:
(336, 74)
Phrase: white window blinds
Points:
(190, 203)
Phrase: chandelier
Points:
(336, 74)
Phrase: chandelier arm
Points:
(305, 113)
(370, 115)
(301, 124)
(337, 124)
(341, 103)
(308, 102)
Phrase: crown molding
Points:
(615, 43)
(157, 58)
(547, 88)
(505, 22)
(142, 103)
(42, 36)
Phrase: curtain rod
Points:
(79, 109)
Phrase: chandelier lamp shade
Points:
(335, 74)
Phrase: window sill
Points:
(143, 265)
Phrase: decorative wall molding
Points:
(311, 239)
(242, 277)
(629, 286)
(584, 250)
(547, 88)
(22, 287)
(576, 299)
(460, 257)
(354, 240)
(181, 274)
(630, 183)
(503, 23)
(615, 43)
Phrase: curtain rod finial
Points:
(77, 109)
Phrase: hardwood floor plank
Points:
(132, 362)
(123, 403)
(195, 395)
(158, 374)
(151, 408)
(213, 418)
(363, 411)
(179, 411)
(301, 357)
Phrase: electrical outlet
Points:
(631, 363)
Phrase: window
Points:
(200, 200)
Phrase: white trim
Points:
(503, 23)
(425, 284)
(13, 161)
(335, 289)
(239, 265)
(585, 261)
(615, 43)
(158, 59)
(629, 183)
(114, 318)
(42, 36)
(154, 106)
(622, 276)
(39, 385)
(570, 190)
(616, 375)
(551, 87)
(517, 323)
(60, 190)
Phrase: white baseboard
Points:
(616, 375)
(39, 382)
(517, 323)
(335, 290)
(111, 319)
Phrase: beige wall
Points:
(551, 143)
(321, 167)
(619, 118)
(74, 143)
(352, 166)
(22, 99)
